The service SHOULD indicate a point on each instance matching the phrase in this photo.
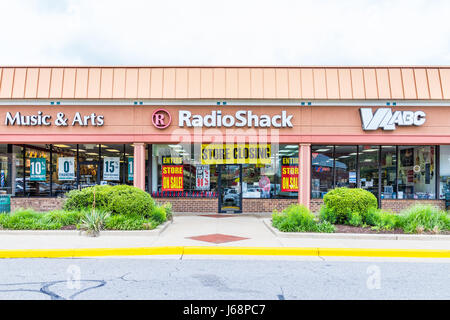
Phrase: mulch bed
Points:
(69, 227)
(350, 229)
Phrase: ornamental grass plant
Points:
(298, 218)
(93, 221)
(424, 218)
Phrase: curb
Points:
(256, 251)
(155, 232)
(245, 214)
(353, 236)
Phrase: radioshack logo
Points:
(161, 118)
(384, 118)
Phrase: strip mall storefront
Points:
(226, 139)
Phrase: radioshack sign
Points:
(242, 118)
(385, 119)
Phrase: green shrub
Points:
(327, 214)
(158, 214)
(168, 208)
(120, 199)
(83, 199)
(297, 218)
(125, 222)
(325, 227)
(65, 218)
(421, 218)
(130, 200)
(382, 220)
(355, 219)
(345, 203)
(27, 219)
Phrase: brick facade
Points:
(398, 205)
(202, 205)
(37, 204)
(315, 204)
(266, 205)
(211, 205)
(190, 204)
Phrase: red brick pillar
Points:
(139, 165)
(304, 174)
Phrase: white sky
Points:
(225, 32)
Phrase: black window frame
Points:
(23, 193)
(358, 182)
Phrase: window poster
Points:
(111, 168)
(172, 174)
(289, 174)
(202, 177)
(66, 168)
(130, 168)
(38, 169)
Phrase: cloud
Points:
(198, 32)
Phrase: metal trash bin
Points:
(5, 203)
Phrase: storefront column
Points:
(139, 165)
(304, 174)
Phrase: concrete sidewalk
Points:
(212, 231)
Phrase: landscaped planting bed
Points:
(348, 210)
(94, 209)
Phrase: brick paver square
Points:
(217, 238)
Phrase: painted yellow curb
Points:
(207, 250)
(258, 251)
(89, 252)
(395, 253)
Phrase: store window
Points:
(40, 170)
(388, 172)
(368, 168)
(129, 164)
(37, 170)
(64, 168)
(177, 170)
(345, 166)
(322, 164)
(17, 172)
(113, 166)
(89, 165)
(11, 169)
(286, 166)
(6, 169)
(444, 166)
(174, 170)
(416, 172)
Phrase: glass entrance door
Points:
(230, 188)
(89, 174)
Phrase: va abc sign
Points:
(385, 119)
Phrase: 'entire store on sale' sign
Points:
(172, 174)
(289, 174)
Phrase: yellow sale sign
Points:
(235, 153)
(172, 178)
(289, 178)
